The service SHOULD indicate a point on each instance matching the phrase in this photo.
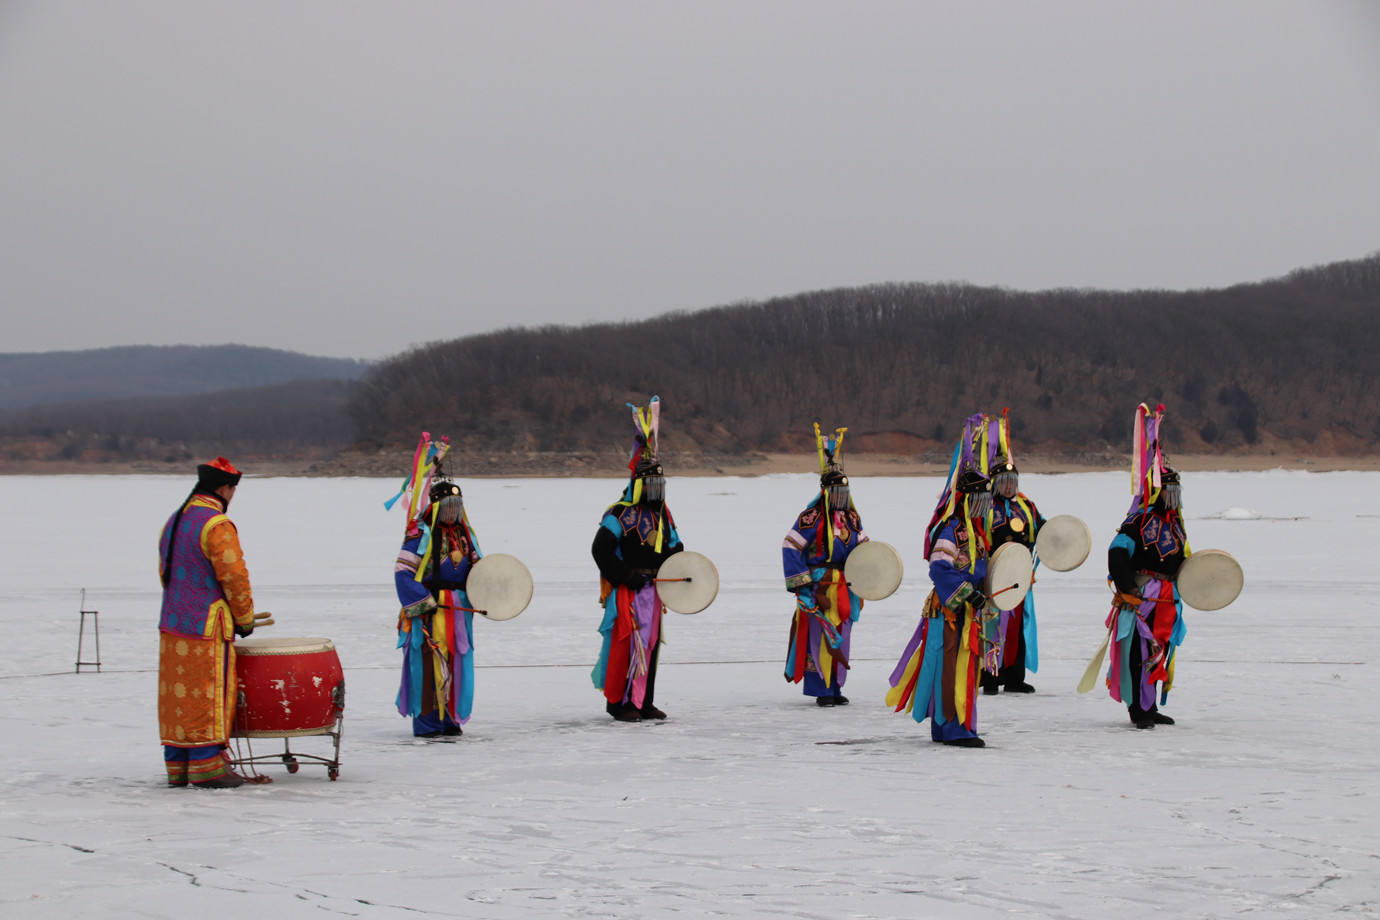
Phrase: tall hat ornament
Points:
(1001, 450)
(643, 459)
(416, 489)
(1147, 457)
(830, 449)
(1149, 466)
(1003, 462)
(973, 456)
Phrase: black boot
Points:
(967, 742)
(624, 712)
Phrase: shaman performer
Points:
(813, 556)
(937, 676)
(635, 537)
(435, 625)
(1146, 619)
(207, 602)
(1015, 519)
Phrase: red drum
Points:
(287, 687)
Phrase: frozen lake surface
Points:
(748, 801)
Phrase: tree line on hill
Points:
(1288, 363)
(1292, 361)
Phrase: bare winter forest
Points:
(1290, 362)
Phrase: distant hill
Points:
(1293, 362)
(303, 420)
(149, 370)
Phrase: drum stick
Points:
(687, 578)
(263, 621)
(263, 615)
(466, 609)
(994, 594)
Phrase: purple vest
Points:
(192, 584)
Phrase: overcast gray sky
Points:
(350, 179)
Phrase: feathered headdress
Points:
(1001, 444)
(643, 462)
(417, 488)
(426, 464)
(646, 434)
(1148, 462)
(830, 451)
(831, 473)
(972, 459)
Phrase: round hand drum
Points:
(1063, 543)
(1009, 573)
(287, 687)
(873, 570)
(1210, 579)
(687, 582)
(499, 586)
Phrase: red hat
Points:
(219, 472)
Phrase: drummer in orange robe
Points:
(207, 601)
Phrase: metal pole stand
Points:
(95, 631)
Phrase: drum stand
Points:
(289, 758)
(95, 632)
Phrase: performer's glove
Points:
(636, 580)
(244, 631)
(1127, 599)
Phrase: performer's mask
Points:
(653, 481)
(977, 491)
(654, 488)
(1006, 481)
(1170, 490)
(449, 501)
(835, 486)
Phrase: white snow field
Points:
(748, 801)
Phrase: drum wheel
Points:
(291, 763)
(332, 772)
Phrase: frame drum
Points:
(1210, 579)
(873, 570)
(1009, 573)
(1063, 543)
(693, 582)
(287, 687)
(499, 586)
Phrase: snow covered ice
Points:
(748, 801)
